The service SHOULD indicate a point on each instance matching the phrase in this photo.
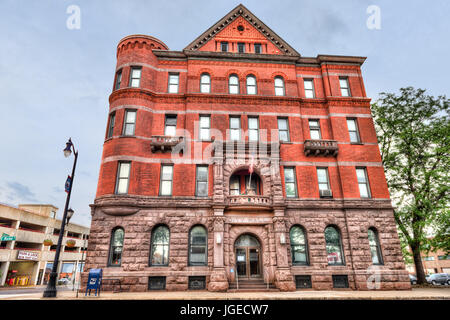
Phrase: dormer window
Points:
(241, 47)
(224, 46)
(257, 47)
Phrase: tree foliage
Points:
(414, 137)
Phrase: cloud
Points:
(20, 191)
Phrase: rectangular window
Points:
(303, 282)
(112, 120)
(309, 88)
(444, 257)
(340, 281)
(129, 123)
(118, 80)
(345, 90)
(363, 182)
(283, 129)
(123, 176)
(235, 186)
(170, 126)
(314, 129)
(201, 181)
(235, 128)
(253, 129)
(353, 130)
(428, 258)
(322, 178)
(257, 47)
(166, 180)
(241, 47)
(173, 82)
(156, 283)
(290, 182)
(135, 77)
(224, 46)
(205, 128)
(197, 283)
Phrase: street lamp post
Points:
(50, 291)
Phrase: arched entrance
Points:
(248, 257)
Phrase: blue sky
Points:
(55, 82)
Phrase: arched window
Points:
(251, 84)
(116, 247)
(205, 83)
(233, 84)
(375, 249)
(279, 86)
(160, 246)
(298, 245)
(198, 246)
(334, 246)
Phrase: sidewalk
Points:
(414, 294)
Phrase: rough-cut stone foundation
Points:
(266, 226)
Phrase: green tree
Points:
(414, 137)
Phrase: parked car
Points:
(438, 278)
(413, 279)
(63, 281)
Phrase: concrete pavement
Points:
(415, 294)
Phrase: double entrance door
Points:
(247, 262)
(248, 257)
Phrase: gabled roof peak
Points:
(242, 11)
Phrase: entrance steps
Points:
(251, 285)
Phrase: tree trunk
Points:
(420, 273)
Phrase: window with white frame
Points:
(135, 77)
(253, 129)
(233, 84)
(290, 183)
(314, 129)
(173, 82)
(118, 79)
(205, 83)
(201, 181)
(345, 89)
(205, 128)
(363, 182)
(170, 126)
(251, 84)
(166, 180)
(279, 86)
(309, 88)
(353, 130)
(129, 123)
(283, 129)
(235, 128)
(123, 177)
(322, 178)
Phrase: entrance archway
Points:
(248, 257)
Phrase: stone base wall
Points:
(276, 266)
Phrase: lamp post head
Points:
(68, 148)
(70, 213)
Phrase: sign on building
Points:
(27, 255)
(7, 237)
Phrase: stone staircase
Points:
(251, 285)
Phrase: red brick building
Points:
(237, 162)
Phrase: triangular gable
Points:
(254, 30)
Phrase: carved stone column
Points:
(218, 280)
(283, 276)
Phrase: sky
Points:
(55, 81)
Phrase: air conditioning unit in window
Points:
(325, 194)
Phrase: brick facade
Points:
(270, 214)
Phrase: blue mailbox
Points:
(94, 281)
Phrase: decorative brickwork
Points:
(184, 195)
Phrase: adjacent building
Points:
(24, 257)
(239, 162)
(433, 262)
